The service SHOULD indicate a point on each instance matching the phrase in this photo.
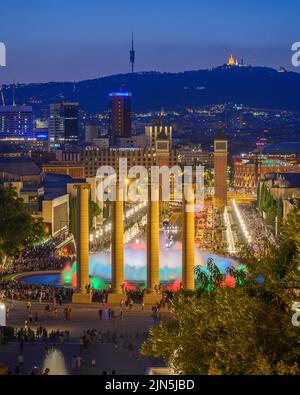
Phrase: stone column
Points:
(153, 240)
(82, 244)
(153, 296)
(117, 242)
(188, 240)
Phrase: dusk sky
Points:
(71, 40)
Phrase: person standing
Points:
(21, 360)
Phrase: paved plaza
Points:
(109, 356)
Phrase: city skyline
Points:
(88, 45)
(150, 191)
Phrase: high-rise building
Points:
(91, 132)
(120, 115)
(71, 122)
(221, 161)
(56, 125)
(63, 123)
(16, 122)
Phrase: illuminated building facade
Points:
(63, 124)
(250, 169)
(120, 115)
(16, 122)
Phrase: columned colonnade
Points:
(117, 249)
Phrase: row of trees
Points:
(247, 329)
(18, 229)
(273, 208)
(94, 211)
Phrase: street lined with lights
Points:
(241, 221)
(229, 233)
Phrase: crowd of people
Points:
(36, 258)
(258, 229)
(18, 290)
(29, 334)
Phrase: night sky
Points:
(68, 40)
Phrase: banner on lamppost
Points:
(2, 314)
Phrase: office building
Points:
(16, 122)
(120, 115)
(63, 124)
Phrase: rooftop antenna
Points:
(161, 117)
(132, 54)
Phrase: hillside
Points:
(252, 86)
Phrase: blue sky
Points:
(70, 40)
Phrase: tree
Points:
(18, 229)
(94, 211)
(279, 214)
(244, 330)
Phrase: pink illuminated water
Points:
(170, 261)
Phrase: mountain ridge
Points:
(258, 87)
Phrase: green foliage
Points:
(18, 229)
(279, 214)
(245, 330)
(270, 206)
(73, 216)
(94, 211)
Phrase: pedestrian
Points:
(100, 312)
(73, 362)
(21, 360)
(26, 325)
(78, 361)
(81, 344)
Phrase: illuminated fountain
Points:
(55, 362)
(135, 264)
